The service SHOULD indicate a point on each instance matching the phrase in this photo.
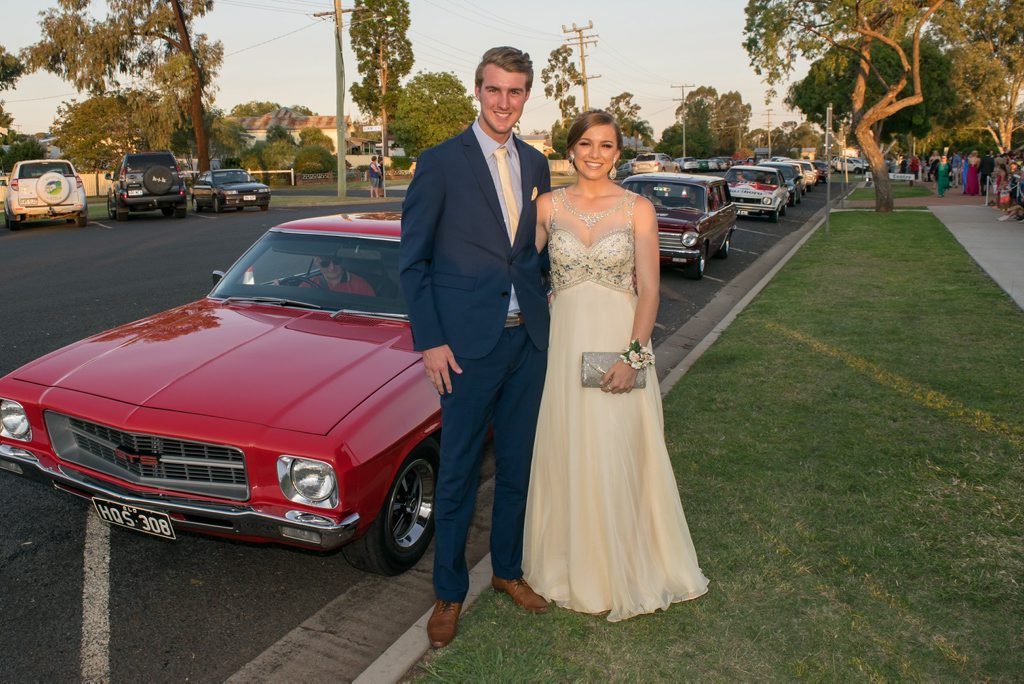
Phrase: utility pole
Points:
(768, 114)
(580, 42)
(682, 91)
(339, 68)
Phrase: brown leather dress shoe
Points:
(521, 592)
(443, 624)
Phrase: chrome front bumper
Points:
(296, 528)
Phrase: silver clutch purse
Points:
(596, 364)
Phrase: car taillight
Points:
(124, 175)
(14, 184)
(78, 181)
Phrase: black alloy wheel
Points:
(404, 526)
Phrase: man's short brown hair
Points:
(509, 59)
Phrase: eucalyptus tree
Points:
(150, 40)
(10, 70)
(778, 32)
(383, 55)
(560, 76)
(433, 107)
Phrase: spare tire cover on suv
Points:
(52, 187)
(157, 179)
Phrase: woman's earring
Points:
(611, 172)
(572, 164)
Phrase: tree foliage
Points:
(988, 40)
(627, 113)
(384, 56)
(827, 82)
(777, 32)
(278, 133)
(137, 39)
(433, 107)
(23, 147)
(311, 135)
(11, 70)
(715, 124)
(560, 76)
(254, 108)
(96, 133)
(315, 159)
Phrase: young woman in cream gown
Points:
(605, 530)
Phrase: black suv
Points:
(147, 181)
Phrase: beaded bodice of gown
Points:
(604, 253)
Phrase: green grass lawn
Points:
(898, 192)
(849, 458)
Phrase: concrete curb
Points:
(675, 355)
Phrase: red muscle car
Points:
(287, 406)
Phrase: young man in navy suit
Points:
(471, 275)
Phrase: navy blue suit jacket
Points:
(457, 266)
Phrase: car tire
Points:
(180, 211)
(122, 213)
(695, 271)
(264, 207)
(8, 223)
(167, 211)
(216, 205)
(775, 214)
(782, 210)
(195, 205)
(723, 251)
(157, 179)
(82, 220)
(111, 208)
(398, 536)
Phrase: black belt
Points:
(514, 319)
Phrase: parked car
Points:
(147, 181)
(758, 191)
(724, 163)
(793, 177)
(821, 168)
(276, 409)
(689, 163)
(654, 162)
(229, 189)
(851, 164)
(696, 218)
(624, 169)
(44, 189)
(810, 175)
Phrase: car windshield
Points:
(669, 195)
(232, 176)
(37, 169)
(788, 172)
(751, 176)
(331, 272)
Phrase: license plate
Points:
(30, 202)
(249, 198)
(135, 193)
(132, 517)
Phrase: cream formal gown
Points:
(605, 530)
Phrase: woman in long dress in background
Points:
(971, 183)
(605, 530)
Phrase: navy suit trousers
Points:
(503, 388)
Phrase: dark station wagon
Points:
(696, 217)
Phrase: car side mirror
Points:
(217, 276)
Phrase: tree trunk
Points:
(196, 94)
(879, 171)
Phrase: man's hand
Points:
(437, 361)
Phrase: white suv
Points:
(45, 189)
(654, 162)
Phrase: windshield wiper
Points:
(278, 301)
(369, 314)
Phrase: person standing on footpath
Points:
(985, 168)
(374, 176)
(942, 173)
(471, 274)
(955, 164)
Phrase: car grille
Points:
(671, 241)
(747, 200)
(152, 460)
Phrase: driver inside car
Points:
(335, 277)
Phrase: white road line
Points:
(102, 224)
(95, 647)
(213, 218)
(706, 277)
(756, 232)
(745, 251)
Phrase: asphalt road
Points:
(199, 609)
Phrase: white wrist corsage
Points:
(637, 356)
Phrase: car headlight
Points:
(14, 421)
(766, 200)
(230, 192)
(689, 238)
(307, 481)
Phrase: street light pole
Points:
(339, 66)
(682, 91)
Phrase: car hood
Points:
(241, 187)
(280, 368)
(678, 218)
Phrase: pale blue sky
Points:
(276, 50)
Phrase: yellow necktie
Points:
(505, 177)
